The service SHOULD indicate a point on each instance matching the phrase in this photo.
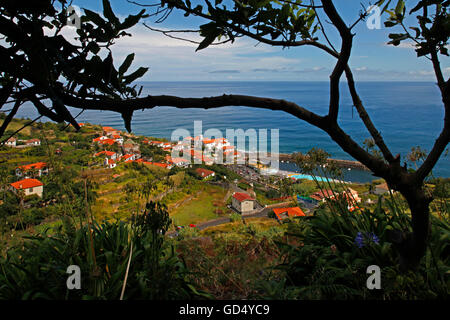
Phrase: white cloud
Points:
(167, 57)
(407, 45)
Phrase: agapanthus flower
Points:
(372, 236)
(359, 240)
(362, 239)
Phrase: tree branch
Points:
(149, 102)
(366, 119)
(9, 117)
(343, 58)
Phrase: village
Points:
(247, 191)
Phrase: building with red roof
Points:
(110, 163)
(205, 173)
(128, 157)
(283, 213)
(242, 202)
(180, 162)
(159, 164)
(322, 195)
(98, 139)
(108, 130)
(29, 187)
(32, 169)
(108, 154)
(11, 142)
(108, 141)
(33, 142)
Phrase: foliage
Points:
(328, 264)
(57, 69)
(38, 269)
(430, 34)
(234, 217)
(334, 247)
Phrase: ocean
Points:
(407, 114)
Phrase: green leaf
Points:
(94, 17)
(93, 47)
(386, 6)
(206, 42)
(417, 30)
(389, 24)
(131, 20)
(399, 9)
(126, 64)
(109, 14)
(417, 7)
(135, 75)
(210, 31)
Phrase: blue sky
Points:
(172, 60)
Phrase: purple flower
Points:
(362, 239)
(359, 240)
(374, 238)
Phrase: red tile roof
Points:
(127, 156)
(163, 165)
(204, 172)
(107, 153)
(97, 139)
(26, 184)
(288, 212)
(240, 196)
(108, 141)
(319, 195)
(208, 141)
(179, 160)
(37, 165)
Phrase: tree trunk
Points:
(412, 246)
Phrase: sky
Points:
(246, 60)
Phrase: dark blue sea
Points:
(407, 114)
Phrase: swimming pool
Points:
(306, 176)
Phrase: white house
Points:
(33, 142)
(180, 162)
(37, 169)
(242, 202)
(11, 142)
(29, 187)
(109, 154)
(110, 163)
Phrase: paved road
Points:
(216, 222)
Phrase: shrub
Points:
(336, 247)
(38, 269)
(235, 217)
